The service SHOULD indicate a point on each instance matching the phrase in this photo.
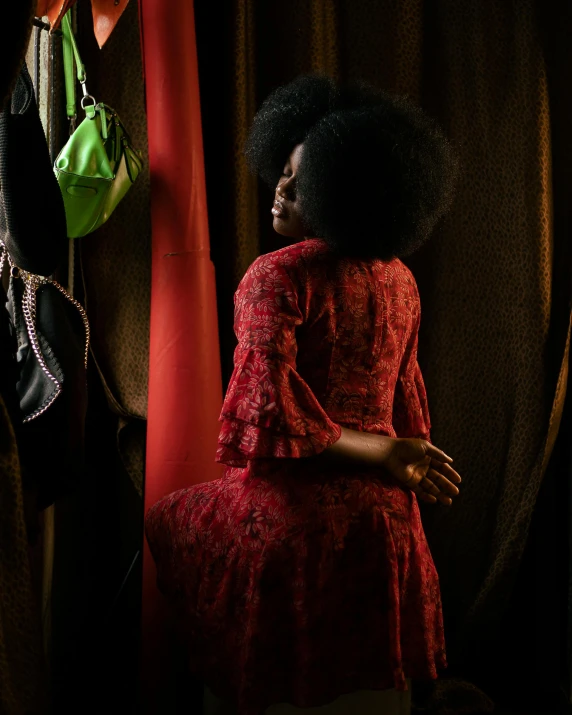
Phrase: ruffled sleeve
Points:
(269, 410)
(410, 408)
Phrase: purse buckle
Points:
(87, 95)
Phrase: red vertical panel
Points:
(185, 391)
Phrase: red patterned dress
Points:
(296, 582)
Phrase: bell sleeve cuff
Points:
(270, 412)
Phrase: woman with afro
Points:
(303, 577)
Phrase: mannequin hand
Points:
(424, 468)
(415, 463)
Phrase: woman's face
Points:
(286, 211)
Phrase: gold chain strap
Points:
(31, 284)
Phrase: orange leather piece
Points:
(106, 14)
(54, 9)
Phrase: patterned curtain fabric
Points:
(115, 261)
(494, 280)
(22, 667)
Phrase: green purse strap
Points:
(71, 53)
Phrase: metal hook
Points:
(45, 26)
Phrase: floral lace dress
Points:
(295, 581)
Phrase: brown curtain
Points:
(115, 261)
(494, 280)
(97, 565)
(22, 667)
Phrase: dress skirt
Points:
(293, 591)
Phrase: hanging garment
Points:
(34, 236)
(294, 581)
(32, 219)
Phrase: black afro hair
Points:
(376, 173)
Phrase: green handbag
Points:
(98, 164)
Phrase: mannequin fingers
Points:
(447, 471)
(429, 498)
(442, 483)
(429, 486)
(436, 453)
